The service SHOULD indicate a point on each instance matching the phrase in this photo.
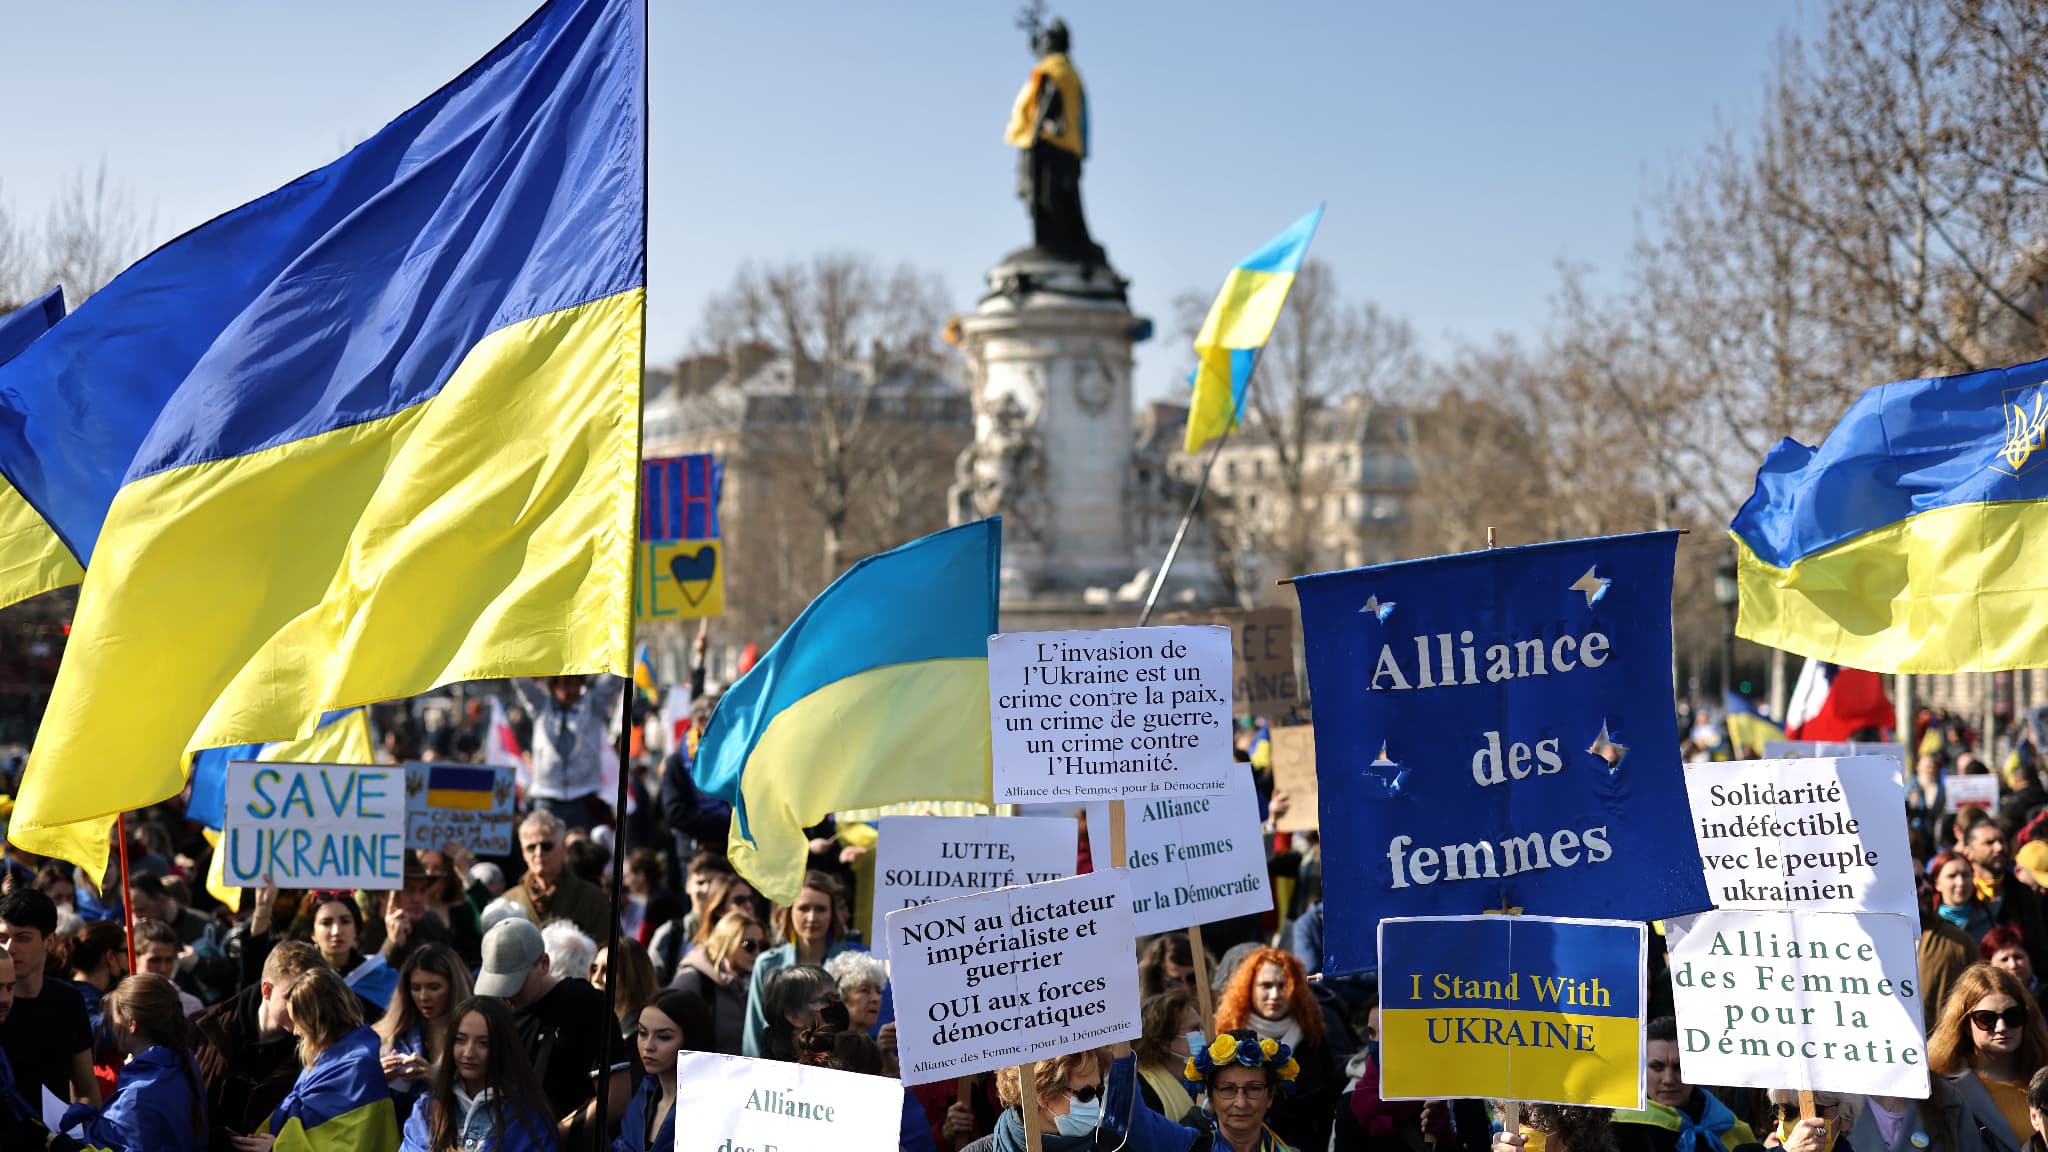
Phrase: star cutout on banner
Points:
(1393, 782)
(1593, 586)
(1381, 609)
(1608, 749)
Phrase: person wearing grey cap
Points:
(565, 1026)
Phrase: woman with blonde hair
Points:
(1269, 995)
(718, 973)
(341, 1083)
(1989, 1042)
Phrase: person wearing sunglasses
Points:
(1087, 1102)
(1242, 1075)
(1988, 1043)
(718, 973)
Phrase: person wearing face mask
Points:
(1366, 1123)
(482, 1096)
(1270, 995)
(1087, 1102)
(1827, 1130)
(1172, 1032)
(1988, 1043)
(807, 927)
(671, 1023)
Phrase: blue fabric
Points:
(375, 980)
(633, 1129)
(536, 1135)
(354, 291)
(23, 326)
(1146, 1130)
(1704, 1135)
(342, 1079)
(1283, 254)
(916, 1132)
(209, 799)
(12, 1105)
(158, 1106)
(1418, 833)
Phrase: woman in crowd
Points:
(2037, 1112)
(1172, 1032)
(1167, 962)
(1243, 1074)
(861, 978)
(331, 920)
(1926, 797)
(1269, 994)
(1989, 1042)
(1955, 893)
(341, 1080)
(2005, 947)
(674, 1021)
(807, 928)
(95, 958)
(718, 973)
(413, 1032)
(647, 905)
(159, 1104)
(1087, 1102)
(1940, 1123)
(483, 1095)
(797, 999)
(630, 981)
(1679, 1117)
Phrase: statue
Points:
(1049, 127)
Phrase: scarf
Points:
(1987, 888)
(1174, 1101)
(1710, 1133)
(539, 896)
(1379, 1118)
(1285, 1030)
(1956, 914)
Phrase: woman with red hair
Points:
(1270, 995)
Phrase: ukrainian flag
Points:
(32, 561)
(370, 434)
(643, 672)
(1915, 538)
(460, 787)
(1747, 727)
(877, 694)
(340, 1104)
(1238, 325)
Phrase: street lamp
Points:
(1727, 593)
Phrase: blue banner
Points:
(1497, 730)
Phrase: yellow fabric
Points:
(1245, 311)
(855, 834)
(842, 747)
(1055, 69)
(1949, 590)
(1174, 1100)
(32, 561)
(483, 534)
(2011, 1098)
(346, 741)
(371, 1128)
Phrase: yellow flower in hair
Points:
(1191, 1073)
(1290, 1070)
(1224, 1049)
(1269, 1048)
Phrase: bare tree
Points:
(93, 230)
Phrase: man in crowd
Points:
(2010, 901)
(247, 1056)
(571, 745)
(156, 952)
(154, 902)
(551, 891)
(565, 1025)
(47, 1034)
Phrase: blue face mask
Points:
(1081, 1118)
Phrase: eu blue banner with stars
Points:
(1496, 730)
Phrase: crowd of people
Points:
(484, 1004)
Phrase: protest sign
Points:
(919, 859)
(1494, 729)
(1262, 655)
(1970, 792)
(1017, 974)
(467, 804)
(1800, 749)
(314, 826)
(1112, 714)
(1823, 835)
(1818, 1001)
(1512, 1008)
(1294, 772)
(734, 1104)
(1193, 859)
(679, 561)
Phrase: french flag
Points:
(501, 746)
(1831, 703)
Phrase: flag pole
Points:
(1187, 517)
(127, 904)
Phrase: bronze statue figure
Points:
(1049, 127)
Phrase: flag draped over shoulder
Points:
(372, 433)
(877, 694)
(1915, 538)
(32, 560)
(1238, 325)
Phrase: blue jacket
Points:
(633, 1129)
(158, 1105)
(474, 1134)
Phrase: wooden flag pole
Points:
(1807, 1108)
(1203, 994)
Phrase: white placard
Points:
(1806, 749)
(919, 859)
(1110, 714)
(1017, 974)
(468, 804)
(1819, 835)
(1970, 792)
(1820, 1001)
(733, 1104)
(314, 826)
(1192, 859)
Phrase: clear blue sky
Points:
(1464, 148)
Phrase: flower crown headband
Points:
(1227, 1049)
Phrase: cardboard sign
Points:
(460, 803)
(919, 859)
(1262, 656)
(1112, 714)
(678, 580)
(1821, 835)
(1802, 749)
(1513, 1008)
(1821, 1001)
(1494, 729)
(733, 1104)
(314, 826)
(1970, 792)
(1294, 772)
(1018, 974)
(1192, 860)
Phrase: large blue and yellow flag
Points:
(1915, 538)
(877, 694)
(32, 561)
(340, 1104)
(372, 433)
(1238, 325)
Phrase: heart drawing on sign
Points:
(696, 568)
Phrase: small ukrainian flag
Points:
(456, 786)
(1238, 326)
